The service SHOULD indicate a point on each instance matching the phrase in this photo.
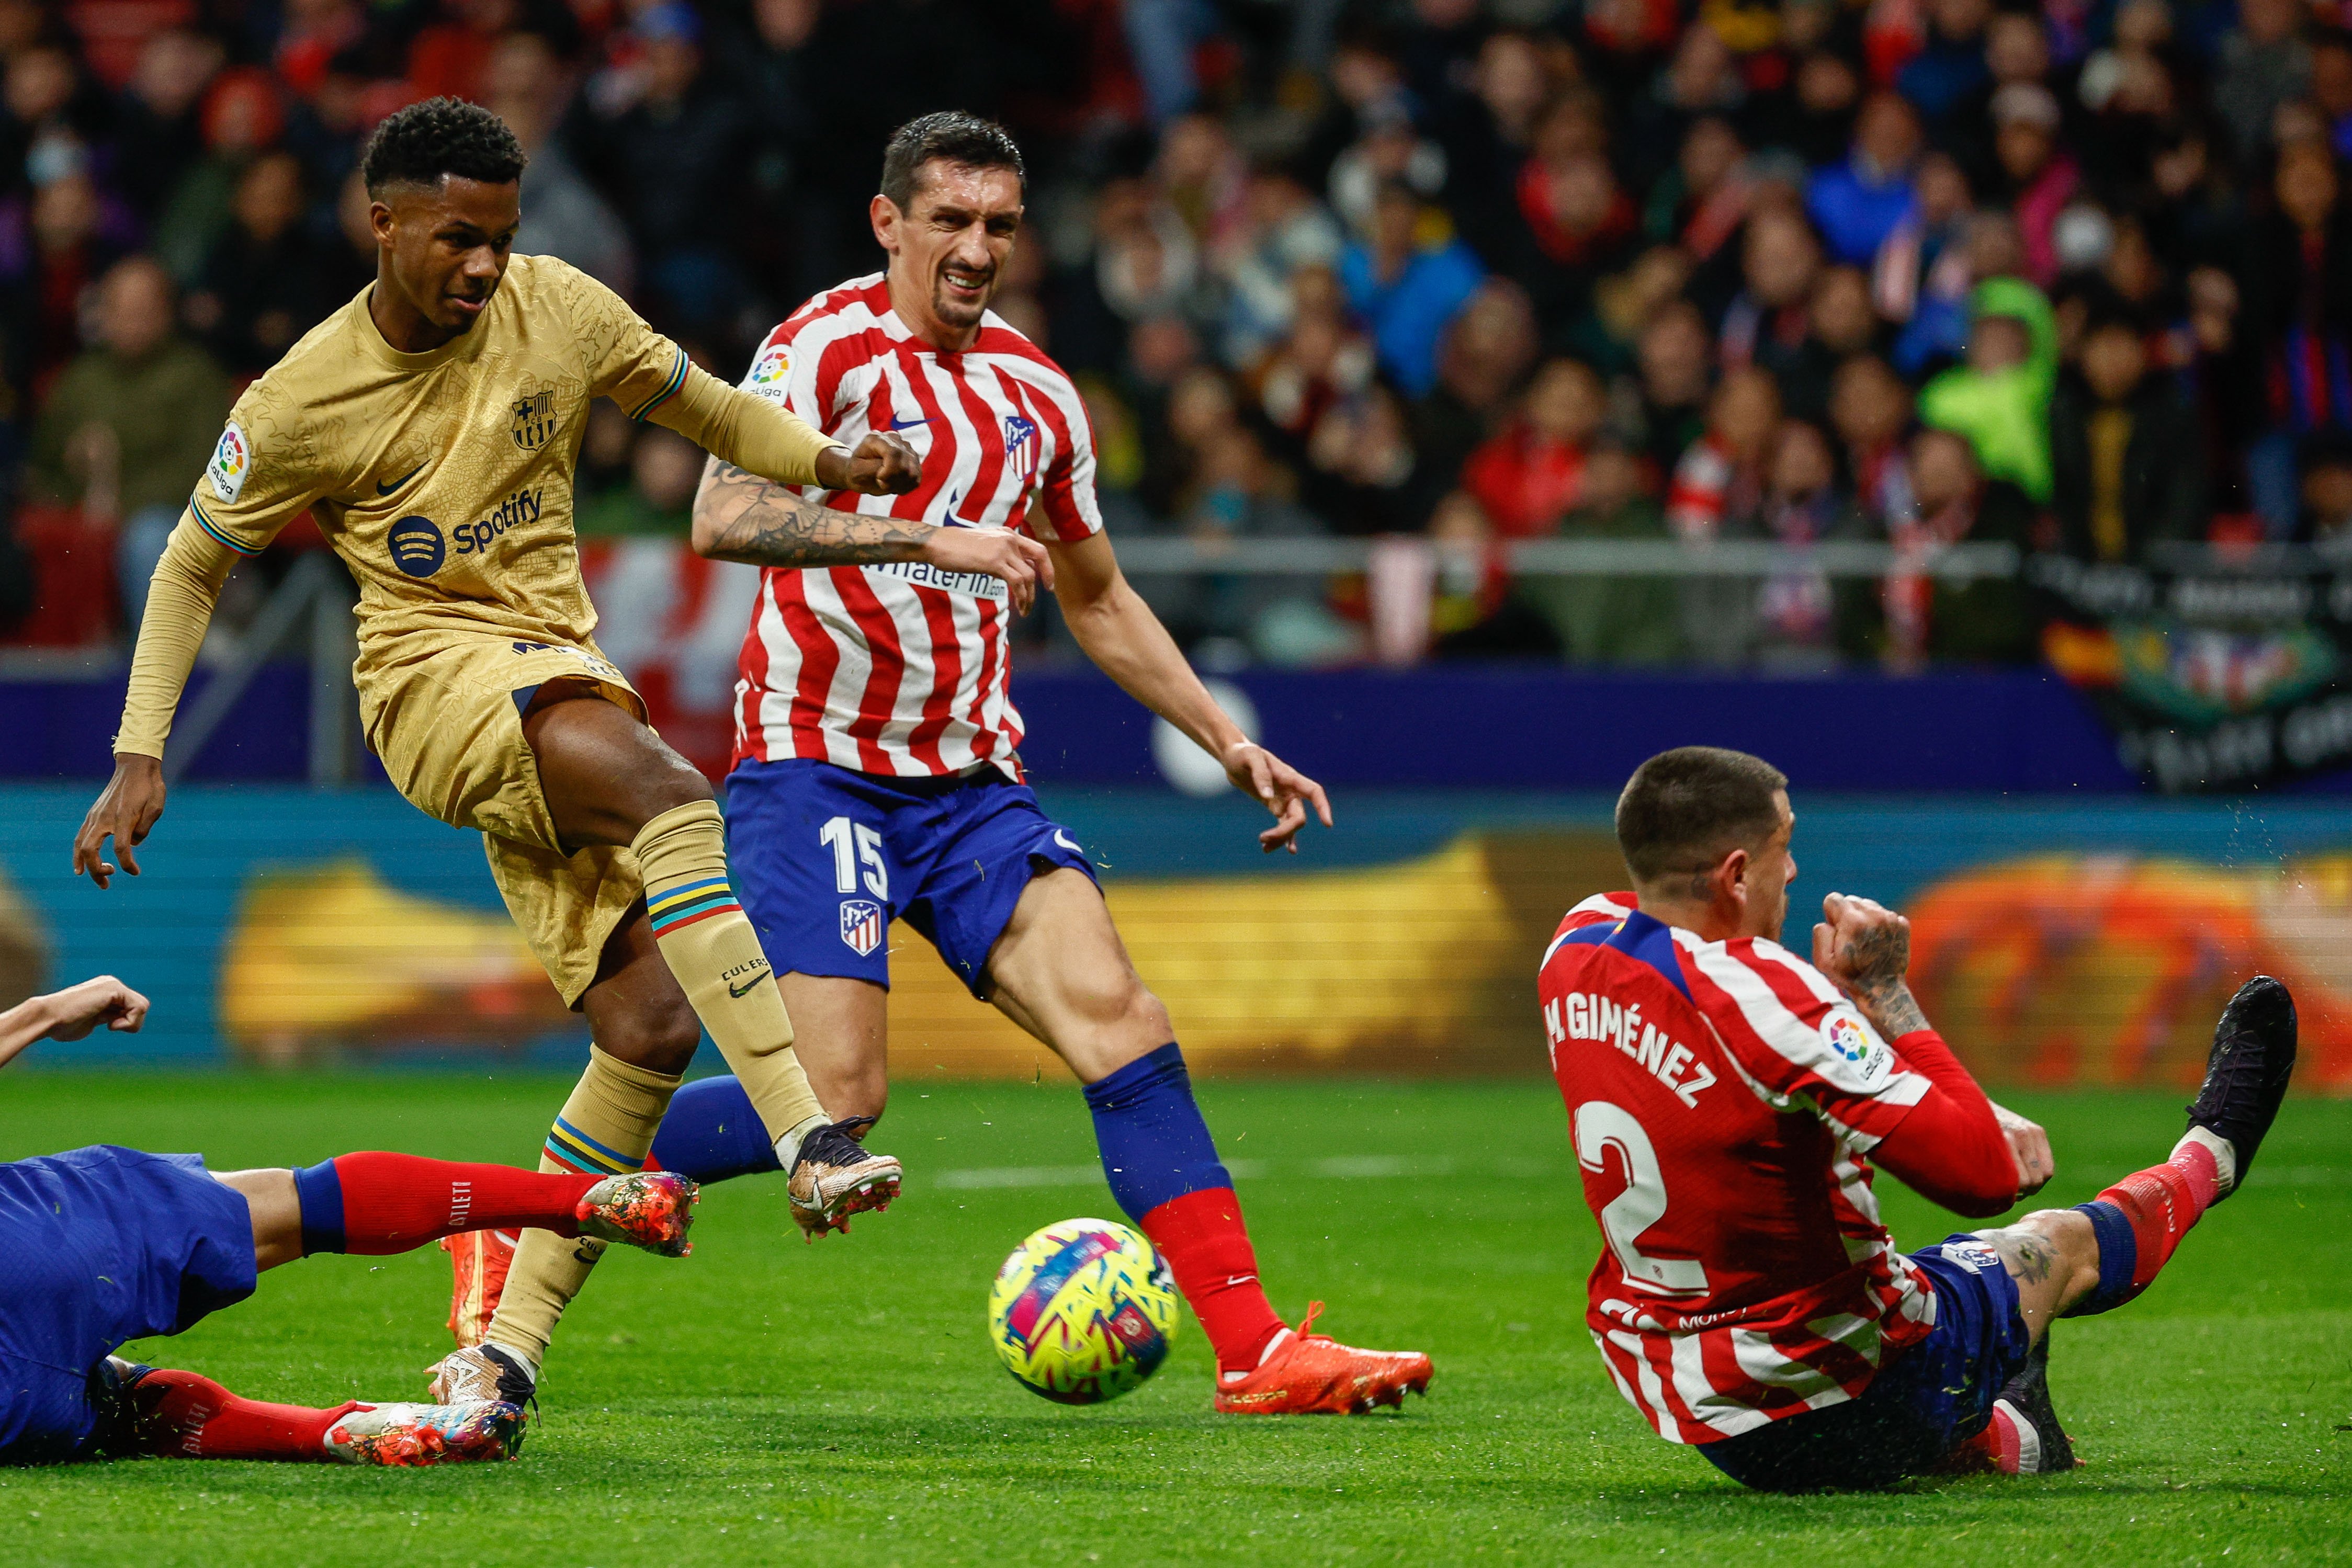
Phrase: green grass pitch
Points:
(767, 1402)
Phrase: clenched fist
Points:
(881, 465)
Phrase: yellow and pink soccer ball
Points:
(1082, 1311)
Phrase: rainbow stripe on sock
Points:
(575, 1151)
(676, 908)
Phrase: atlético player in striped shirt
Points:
(1728, 1099)
(877, 773)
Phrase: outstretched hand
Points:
(125, 810)
(1016, 560)
(881, 465)
(77, 1010)
(1280, 787)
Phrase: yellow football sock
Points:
(711, 948)
(605, 1128)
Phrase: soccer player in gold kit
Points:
(431, 427)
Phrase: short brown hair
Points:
(950, 136)
(1685, 810)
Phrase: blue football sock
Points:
(320, 1193)
(1154, 1144)
(711, 1133)
(2118, 1260)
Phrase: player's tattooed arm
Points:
(740, 516)
(1867, 948)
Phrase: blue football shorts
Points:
(98, 1248)
(825, 857)
(1934, 1397)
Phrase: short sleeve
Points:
(1065, 493)
(264, 471)
(783, 375)
(628, 362)
(1801, 1043)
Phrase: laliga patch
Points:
(232, 461)
(1853, 1044)
(861, 925)
(771, 371)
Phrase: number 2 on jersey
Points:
(1600, 1127)
(850, 843)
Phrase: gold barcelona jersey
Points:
(443, 479)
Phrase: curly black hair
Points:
(954, 136)
(419, 144)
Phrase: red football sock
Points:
(395, 1203)
(2160, 1204)
(186, 1415)
(1201, 1236)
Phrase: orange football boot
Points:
(479, 1259)
(1313, 1372)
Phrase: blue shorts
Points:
(99, 1247)
(823, 859)
(1934, 1395)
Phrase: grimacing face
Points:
(950, 247)
(445, 246)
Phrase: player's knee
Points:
(660, 1037)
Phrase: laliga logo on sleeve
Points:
(769, 373)
(1846, 1036)
(232, 461)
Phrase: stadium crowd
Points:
(2076, 277)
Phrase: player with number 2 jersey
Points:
(1727, 1100)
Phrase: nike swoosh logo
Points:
(909, 424)
(384, 490)
(1063, 839)
(738, 992)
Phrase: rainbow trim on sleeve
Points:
(574, 1150)
(677, 908)
(670, 390)
(221, 534)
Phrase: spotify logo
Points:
(417, 548)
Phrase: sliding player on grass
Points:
(106, 1245)
(878, 775)
(1728, 1101)
(431, 427)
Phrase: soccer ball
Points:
(1082, 1311)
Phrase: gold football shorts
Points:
(446, 719)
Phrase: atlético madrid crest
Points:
(861, 925)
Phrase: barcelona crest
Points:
(534, 420)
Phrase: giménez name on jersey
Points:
(975, 584)
(1594, 1016)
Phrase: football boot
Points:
(2043, 1446)
(652, 1209)
(480, 1374)
(424, 1434)
(836, 1177)
(2247, 1073)
(479, 1260)
(1312, 1373)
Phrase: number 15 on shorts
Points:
(853, 843)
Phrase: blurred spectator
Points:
(243, 117)
(1767, 322)
(2036, 177)
(1532, 473)
(131, 423)
(2263, 64)
(671, 144)
(1858, 204)
(2124, 453)
(268, 279)
(1610, 620)
(1722, 475)
(1949, 77)
(664, 470)
(1486, 348)
(1278, 230)
(158, 132)
(1405, 289)
(1322, 361)
(1981, 621)
(2000, 399)
(2327, 498)
(562, 215)
(1801, 622)
(1364, 476)
(1675, 379)
(51, 251)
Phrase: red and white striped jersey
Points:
(1722, 1096)
(900, 668)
